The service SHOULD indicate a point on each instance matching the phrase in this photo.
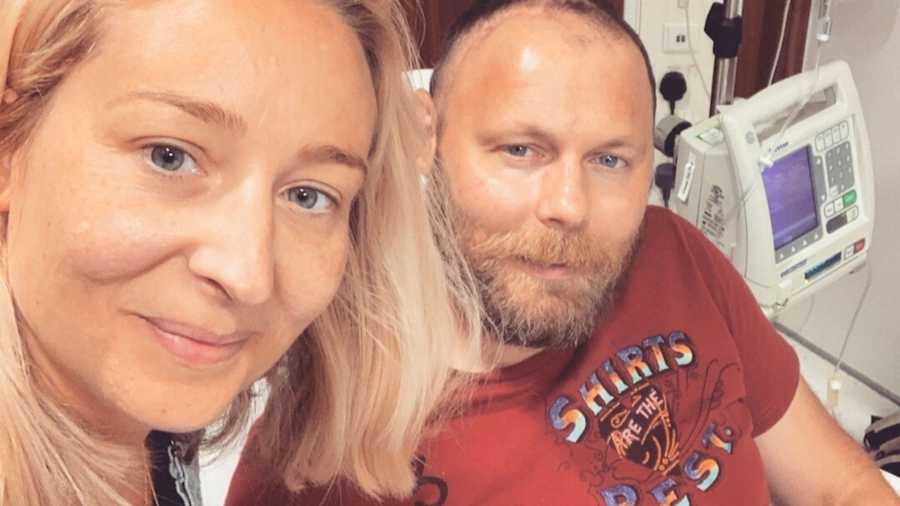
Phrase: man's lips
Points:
(546, 270)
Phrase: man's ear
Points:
(425, 160)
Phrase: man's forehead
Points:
(530, 51)
(517, 35)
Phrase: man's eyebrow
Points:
(529, 131)
(617, 143)
(328, 153)
(519, 130)
(204, 110)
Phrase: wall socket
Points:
(675, 38)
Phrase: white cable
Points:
(801, 105)
(833, 388)
(787, 11)
(690, 39)
(859, 306)
(809, 312)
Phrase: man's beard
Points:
(522, 309)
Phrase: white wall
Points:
(866, 33)
(649, 18)
(652, 18)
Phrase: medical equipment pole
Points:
(725, 71)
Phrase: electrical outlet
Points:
(676, 38)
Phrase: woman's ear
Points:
(425, 160)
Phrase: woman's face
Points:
(181, 213)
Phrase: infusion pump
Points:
(782, 183)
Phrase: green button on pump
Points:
(850, 198)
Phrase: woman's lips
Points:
(193, 345)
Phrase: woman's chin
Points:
(183, 420)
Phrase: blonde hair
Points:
(370, 373)
(357, 390)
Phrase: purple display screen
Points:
(792, 200)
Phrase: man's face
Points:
(546, 143)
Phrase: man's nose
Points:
(564, 196)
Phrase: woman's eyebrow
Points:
(204, 110)
(214, 114)
(328, 153)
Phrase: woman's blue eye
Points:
(168, 158)
(310, 199)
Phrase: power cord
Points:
(665, 180)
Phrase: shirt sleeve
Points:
(770, 365)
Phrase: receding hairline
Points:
(481, 30)
(601, 21)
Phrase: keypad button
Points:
(838, 205)
(820, 143)
(845, 130)
(829, 209)
(836, 223)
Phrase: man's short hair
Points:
(597, 12)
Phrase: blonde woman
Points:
(187, 187)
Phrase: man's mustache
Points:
(546, 248)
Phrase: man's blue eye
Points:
(310, 199)
(167, 158)
(610, 161)
(518, 150)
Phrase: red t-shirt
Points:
(660, 407)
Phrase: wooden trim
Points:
(618, 6)
(762, 26)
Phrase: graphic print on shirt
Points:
(628, 423)
(430, 490)
(640, 428)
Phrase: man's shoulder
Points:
(667, 236)
(674, 254)
(659, 221)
